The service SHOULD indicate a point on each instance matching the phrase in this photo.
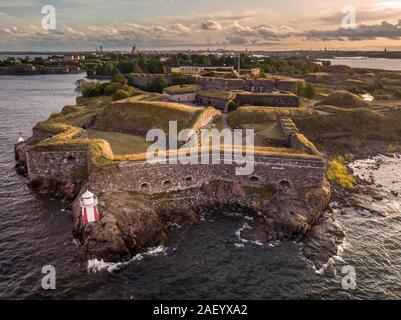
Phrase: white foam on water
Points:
(238, 235)
(95, 265)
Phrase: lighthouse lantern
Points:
(88, 202)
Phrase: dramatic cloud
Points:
(183, 23)
(211, 25)
(361, 32)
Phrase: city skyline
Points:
(180, 24)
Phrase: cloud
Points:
(211, 25)
(262, 31)
(361, 32)
(180, 28)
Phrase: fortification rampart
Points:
(268, 99)
(254, 85)
(156, 178)
(62, 165)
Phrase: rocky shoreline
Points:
(132, 222)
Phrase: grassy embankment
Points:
(263, 120)
(182, 89)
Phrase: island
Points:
(99, 145)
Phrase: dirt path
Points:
(224, 122)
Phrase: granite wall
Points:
(156, 178)
(62, 165)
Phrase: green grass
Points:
(344, 99)
(362, 123)
(394, 148)
(265, 130)
(182, 89)
(94, 102)
(217, 94)
(121, 143)
(337, 172)
(254, 115)
(139, 117)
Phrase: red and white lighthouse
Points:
(88, 202)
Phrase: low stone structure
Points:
(264, 85)
(157, 178)
(143, 80)
(60, 164)
(267, 99)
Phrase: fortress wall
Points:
(142, 80)
(156, 178)
(276, 100)
(56, 164)
(39, 134)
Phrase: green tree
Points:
(179, 78)
(158, 84)
(309, 91)
(119, 78)
(125, 67)
(89, 89)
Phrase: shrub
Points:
(392, 148)
(337, 172)
(232, 106)
(118, 78)
(158, 84)
(309, 91)
(111, 88)
(89, 89)
(122, 94)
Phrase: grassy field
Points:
(216, 94)
(121, 143)
(182, 89)
(138, 118)
(344, 99)
(265, 130)
(362, 123)
(254, 115)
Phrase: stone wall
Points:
(156, 178)
(213, 102)
(142, 80)
(56, 164)
(253, 85)
(183, 97)
(276, 100)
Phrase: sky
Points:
(200, 24)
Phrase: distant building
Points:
(198, 69)
(255, 72)
(73, 57)
(182, 93)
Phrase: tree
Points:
(119, 78)
(179, 78)
(89, 89)
(232, 106)
(309, 91)
(158, 84)
(125, 67)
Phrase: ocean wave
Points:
(242, 228)
(95, 265)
